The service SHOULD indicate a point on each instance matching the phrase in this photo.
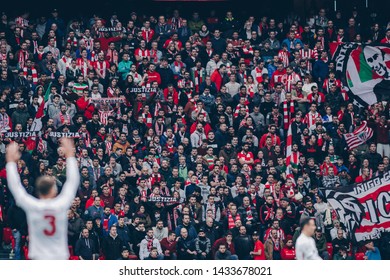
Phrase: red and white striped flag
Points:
(360, 136)
(289, 152)
(37, 124)
(31, 142)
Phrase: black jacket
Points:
(112, 247)
(244, 246)
(85, 248)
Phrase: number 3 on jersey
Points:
(51, 230)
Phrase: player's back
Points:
(47, 218)
(48, 235)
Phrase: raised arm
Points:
(22, 198)
(72, 173)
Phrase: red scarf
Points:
(148, 120)
(66, 61)
(178, 66)
(63, 117)
(112, 56)
(33, 73)
(231, 221)
(72, 41)
(284, 57)
(83, 65)
(287, 114)
(249, 215)
(153, 55)
(102, 67)
(198, 78)
(259, 75)
(23, 56)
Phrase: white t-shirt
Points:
(47, 218)
(305, 248)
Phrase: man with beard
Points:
(267, 213)
(275, 140)
(243, 244)
(245, 156)
(228, 152)
(311, 212)
(198, 136)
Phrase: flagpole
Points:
(335, 5)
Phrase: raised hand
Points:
(13, 153)
(67, 146)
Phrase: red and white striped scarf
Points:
(328, 83)
(94, 56)
(142, 53)
(67, 61)
(178, 66)
(33, 73)
(247, 51)
(237, 111)
(259, 75)
(108, 146)
(147, 34)
(23, 56)
(157, 107)
(289, 81)
(153, 56)
(310, 119)
(5, 123)
(344, 93)
(86, 137)
(287, 113)
(64, 117)
(284, 57)
(112, 56)
(35, 46)
(198, 78)
(148, 120)
(155, 179)
(88, 42)
(73, 41)
(231, 221)
(42, 145)
(244, 76)
(101, 66)
(250, 89)
(83, 66)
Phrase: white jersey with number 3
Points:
(47, 218)
(305, 248)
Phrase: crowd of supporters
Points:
(181, 126)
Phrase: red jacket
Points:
(217, 79)
(174, 94)
(104, 42)
(88, 108)
(154, 77)
(288, 253)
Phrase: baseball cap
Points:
(256, 233)
(319, 229)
